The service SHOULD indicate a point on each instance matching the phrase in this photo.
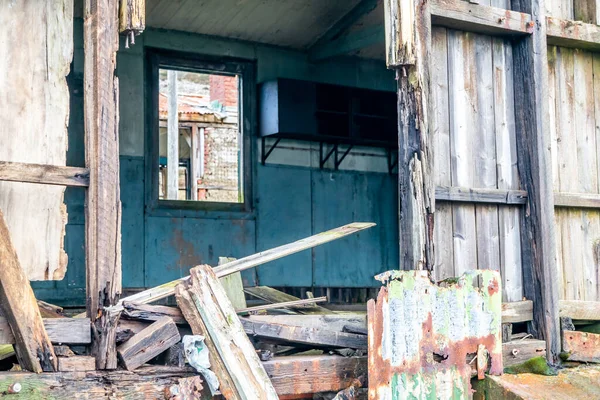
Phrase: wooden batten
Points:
(579, 310)
(148, 343)
(19, 306)
(103, 204)
(204, 304)
(44, 174)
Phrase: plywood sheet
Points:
(37, 49)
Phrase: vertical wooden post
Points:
(103, 205)
(34, 350)
(196, 147)
(172, 139)
(535, 169)
(408, 43)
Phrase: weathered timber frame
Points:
(408, 25)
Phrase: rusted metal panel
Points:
(423, 337)
(582, 346)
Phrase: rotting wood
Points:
(408, 49)
(103, 204)
(581, 346)
(126, 329)
(479, 18)
(579, 309)
(19, 306)
(132, 18)
(469, 195)
(317, 337)
(333, 322)
(517, 311)
(209, 312)
(48, 310)
(506, 333)
(37, 49)
(254, 260)
(586, 11)
(288, 304)
(518, 351)
(275, 296)
(45, 174)
(76, 363)
(59, 330)
(148, 343)
(530, 71)
(148, 312)
(566, 33)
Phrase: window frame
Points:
(157, 59)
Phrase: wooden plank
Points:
(289, 304)
(205, 306)
(148, 312)
(517, 311)
(275, 296)
(480, 195)
(45, 174)
(196, 158)
(444, 251)
(586, 11)
(18, 305)
(172, 138)
(233, 285)
(132, 17)
(37, 46)
(168, 289)
(331, 322)
(567, 33)
(580, 309)
(408, 47)
(148, 343)
(302, 335)
(534, 164)
(518, 351)
(577, 200)
(103, 205)
(582, 346)
(76, 363)
(465, 16)
(68, 330)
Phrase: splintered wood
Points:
(205, 306)
(37, 49)
(420, 334)
(33, 347)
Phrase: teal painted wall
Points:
(291, 202)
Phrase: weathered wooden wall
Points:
(37, 49)
(475, 147)
(574, 87)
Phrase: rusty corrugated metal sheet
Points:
(420, 334)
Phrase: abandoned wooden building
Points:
(300, 199)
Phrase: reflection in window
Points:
(199, 137)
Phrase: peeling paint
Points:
(421, 334)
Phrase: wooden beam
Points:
(332, 322)
(233, 285)
(579, 309)
(575, 34)
(530, 67)
(205, 306)
(19, 306)
(147, 312)
(275, 296)
(467, 16)
(348, 44)
(172, 138)
(168, 289)
(519, 351)
(495, 196)
(148, 343)
(288, 304)
(517, 311)
(317, 337)
(76, 363)
(45, 174)
(577, 200)
(408, 49)
(103, 204)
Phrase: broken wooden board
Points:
(76, 364)
(518, 351)
(147, 312)
(273, 296)
(414, 321)
(517, 311)
(59, 330)
(297, 304)
(317, 337)
(581, 346)
(148, 343)
(254, 260)
(209, 312)
(19, 306)
(332, 322)
(233, 285)
(579, 309)
(37, 50)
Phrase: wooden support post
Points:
(195, 158)
(534, 161)
(204, 304)
(33, 347)
(172, 139)
(408, 43)
(103, 205)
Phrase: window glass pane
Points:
(202, 135)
